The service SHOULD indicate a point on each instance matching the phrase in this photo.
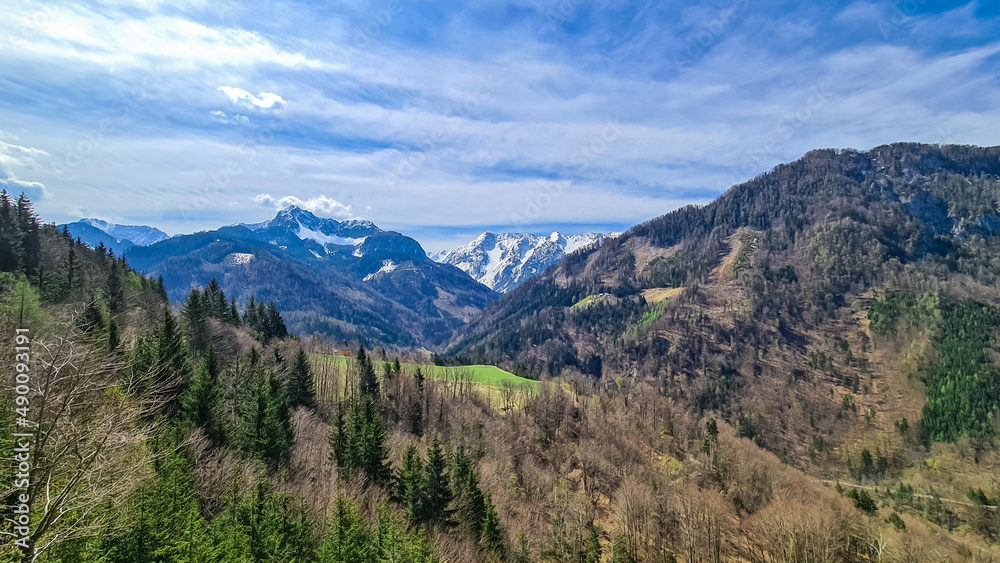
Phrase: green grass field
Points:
(484, 375)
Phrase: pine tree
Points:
(418, 376)
(170, 350)
(358, 443)
(491, 534)
(412, 487)
(114, 289)
(161, 288)
(268, 426)
(369, 385)
(11, 249)
(302, 388)
(438, 492)
(114, 335)
(31, 240)
(203, 394)
(214, 300)
(348, 538)
(274, 323)
(233, 315)
(195, 313)
(468, 504)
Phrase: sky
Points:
(444, 119)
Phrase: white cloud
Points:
(320, 205)
(20, 156)
(241, 98)
(221, 117)
(115, 36)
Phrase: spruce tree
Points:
(358, 443)
(114, 289)
(170, 350)
(215, 300)
(491, 534)
(302, 388)
(203, 394)
(438, 492)
(11, 250)
(114, 335)
(368, 379)
(412, 486)
(268, 426)
(31, 242)
(195, 313)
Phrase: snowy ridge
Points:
(137, 235)
(323, 231)
(506, 260)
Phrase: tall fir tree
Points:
(412, 485)
(302, 388)
(438, 492)
(368, 383)
(195, 313)
(114, 289)
(11, 249)
(30, 228)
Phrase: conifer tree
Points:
(438, 492)
(491, 534)
(114, 335)
(358, 443)
(11, 250)
(195, 313)
(412, 486)
(114, 289)
(201, 397)
(31, 242)
(302, 388)
(268, 426)
(170, 350)
(214, 300)
(368, 380)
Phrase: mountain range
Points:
(340, 278)
(118, 238)
(504, 261)
(344, 279)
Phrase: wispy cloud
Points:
(458, 116)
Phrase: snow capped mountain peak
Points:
(504, 261)
(136, 234)
(307, 226)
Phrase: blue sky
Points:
(443, 119)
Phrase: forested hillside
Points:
(803, 370)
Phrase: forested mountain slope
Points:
(344, 279)
(768, 290)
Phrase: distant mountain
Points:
(504, 261)
(347, 279)
(116, 237)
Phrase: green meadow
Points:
(484, 375)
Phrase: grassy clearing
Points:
(484, 375)
(594, 300)
(657, 294)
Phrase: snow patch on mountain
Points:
(506, 260)
(136, 234)
(387, 266)
(237, 259)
